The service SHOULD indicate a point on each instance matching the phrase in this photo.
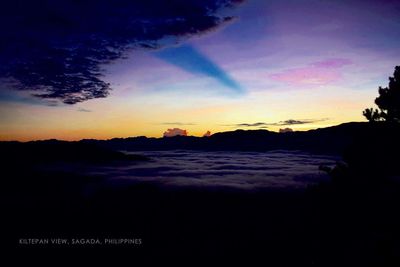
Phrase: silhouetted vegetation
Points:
(373, 155)
(365, 187)
(388, 101)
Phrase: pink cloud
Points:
(332, 63)
(317, 73)
(307, 75)
(175, 132)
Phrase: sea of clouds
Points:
(235, 170)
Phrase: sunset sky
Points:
(279, 64)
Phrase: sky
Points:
(251, 65)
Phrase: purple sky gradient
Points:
(304, 59)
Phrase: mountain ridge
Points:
(329, 140)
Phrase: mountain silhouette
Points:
(331, 140)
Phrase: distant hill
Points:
(332, 140)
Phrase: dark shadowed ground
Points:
(351, 220)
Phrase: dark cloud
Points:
(256, 124)
(84, 110)
(264, 125)
(56, 48)
(294, 122)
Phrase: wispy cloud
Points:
(294, 122)
(256, 124)
(191, 60)
(279, 123)
(332, 63)
(83, 110)
(317, 73)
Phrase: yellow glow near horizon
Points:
(122, 117)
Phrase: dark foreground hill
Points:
(31, 154)
(350, 221)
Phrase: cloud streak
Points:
(256, 124)
(296, 122)
(83, 110)
(279, 123)
(317, 73)
(188, 58)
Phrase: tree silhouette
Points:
(372, 114)
(388, 101)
